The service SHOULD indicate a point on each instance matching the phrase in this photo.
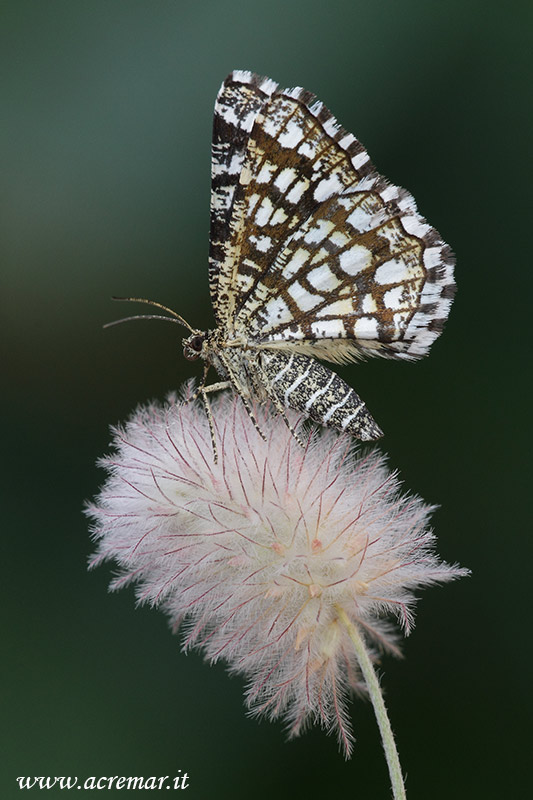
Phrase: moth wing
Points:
(311, 248)
(364, 275)
(277, 155)
(238, 103)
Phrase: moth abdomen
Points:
(302, 383)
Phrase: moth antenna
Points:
(157, 305)
(140, 316)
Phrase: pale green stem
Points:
(372, 684)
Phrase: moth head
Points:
(193, 345)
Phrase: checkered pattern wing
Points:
(318, 253)
(363, 275)
(273, 165)
(238, 103)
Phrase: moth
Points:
(313, 255)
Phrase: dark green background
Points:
(105, 140)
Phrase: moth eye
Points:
(196, 343)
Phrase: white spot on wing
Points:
(276, 311)
(297, 191)
(366, 328)
(265, 175)
(299, 258)
(390, 193)
(327, 187)
(269, 86)
(245, 282)
(339, 308)
(234, 167)
(355, 260)
(347, 140)
(369, 304)
(323, 279)
(433, 256)
(285, 178)
(278, 217)
(319, 231)
(303, 299)
(360, 159)
(415, 226)
(252, 202)
(361, 220)
(328, 329)
(338, 238)
(262, 243)
(307, 149)
(394, 298)
(264, 211)
(292, 136)
(393, 271)
(271, 125)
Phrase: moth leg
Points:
(214, 387)
(202, 387)
(203, 394)
(251, 414)
(203, 391)
(236, 386)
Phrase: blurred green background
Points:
(105, 143)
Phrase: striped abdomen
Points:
(306, 385)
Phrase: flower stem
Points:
(374, 690)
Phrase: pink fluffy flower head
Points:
(254, 556)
